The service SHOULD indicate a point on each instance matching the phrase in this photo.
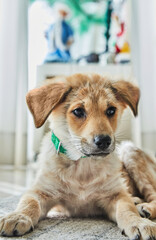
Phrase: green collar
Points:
(58, 145)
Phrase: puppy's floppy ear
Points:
(128, 94)
(41, 101)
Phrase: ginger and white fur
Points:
(105, 182)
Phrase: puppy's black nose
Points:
(102, 141)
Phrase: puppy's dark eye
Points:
(79, 112)
(110, 111)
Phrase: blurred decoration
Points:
(108, 23)
(59, 36)
(122, 48)
(84, 16)
(91, 58)
(81, 12)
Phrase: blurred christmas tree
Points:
(81, 14)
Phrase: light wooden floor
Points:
(15, 181)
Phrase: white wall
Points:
(13, 80)
(144, 59)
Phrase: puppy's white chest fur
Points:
(83, 183)
(78, 184)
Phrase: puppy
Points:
(80, 169)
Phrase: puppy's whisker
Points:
(121, 137)
(120, 134)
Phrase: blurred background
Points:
(40, 39)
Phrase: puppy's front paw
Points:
(144, 210)
(144, 229)
(137, 200)
(15, 224)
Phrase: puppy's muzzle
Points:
(102, 142)
(100, 145)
